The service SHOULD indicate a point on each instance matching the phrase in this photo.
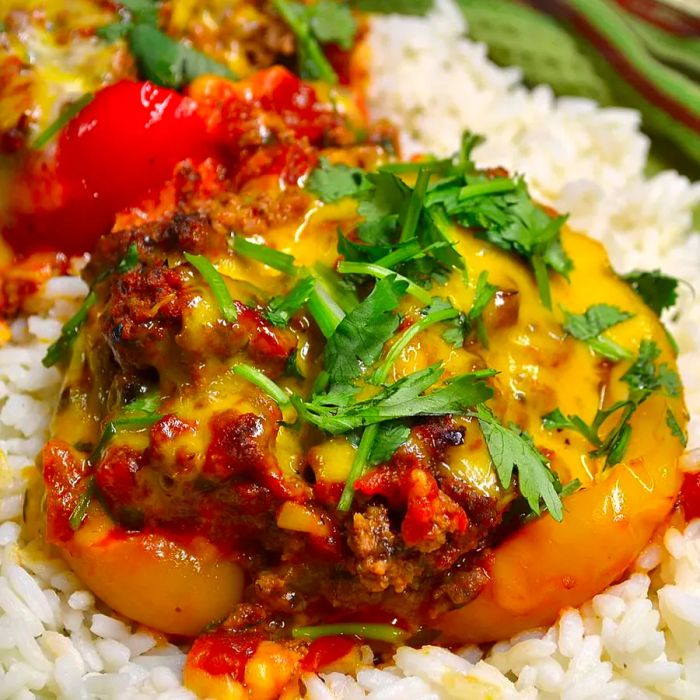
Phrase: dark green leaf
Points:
(594, 321)
(399, 7)
(403, 399)
(512, 449)
(281, 309)
(332, 22)
(390, 436)
(168, 62)
(360, 336)
(676, 430)
(659, 291)
(331, 183)
(115, 30)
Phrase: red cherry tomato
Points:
(690, 496)
(124, 143)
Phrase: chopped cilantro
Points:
(80, 510)
(590, 325)
(58, 350)
(399, 7)
(676, 430)
(339, 411)
(216, 283)
(332, 182)
(168, 62)
(390, 436)
(359, 338)
(313, 64)
(67, 113)
(281, 309)
(511, 448)
(332, 22)
(352, 268)
(659, 291)
(644, 377)
(275, 259)
(263, 382)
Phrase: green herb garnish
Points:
(67, 113)
(216, 283)
(80, 510)
(305, 21)
(59, 349)
(676, 430)
(359, 338)
(511, 448)
(373, 270)
(644, 377)
(263, 382)
(380, 632)
(659, 291)
(590, 325)
(275, 259)
(332, 182)
(338, 411)
(281, 309)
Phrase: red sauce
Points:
(224, 653)
(325, 651)
(690, 496)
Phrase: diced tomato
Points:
(224, 653)
(690, 496)
(325, 651)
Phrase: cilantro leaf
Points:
(332, 22)
(390, 436)
(168, 62)
(332, 182)
(590, 325)
(142, 11)
(644, 377)
(360, 336)
(313, 64)
(113, 31)
(659, 291)
(58, 350)
(593, 321)
(281, 309)
(403, 399)
(512, 449)
(676, 430)
(399, 7)
(507, 217)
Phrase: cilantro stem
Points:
(432, 165)
(374, 270)
(380, 375)
(415, 206)
(542, 278)
(343, 296)
(216, 283)
(359, 464)
(262, 381)
(275, 259)
(608, 348)
(325, 311)
(380, 632)
(81, 507)
(409, 251)
(63, 118)
(495, 186)
(58, 350)
(308, 45)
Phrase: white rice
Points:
(638, 640)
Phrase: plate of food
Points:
(349, 350)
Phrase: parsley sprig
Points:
(644, 378)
